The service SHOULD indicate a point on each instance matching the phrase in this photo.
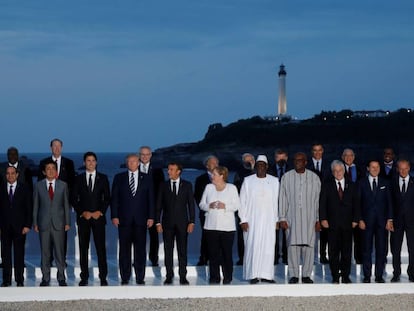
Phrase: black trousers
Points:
(323, 242)
(16, 240)
(401, 226)
(374, 233)
(135, 236)
(178, 234)
(340, 252)
(203, 245)
(240, 240)
(357, 234)
(220, 245)
(154, 245)
(97, 227)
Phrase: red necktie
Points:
(340, 191)
(51, 191)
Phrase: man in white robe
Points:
(258, 217)
(298, 213)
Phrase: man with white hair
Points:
(258, 217)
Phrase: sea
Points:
(109, 163)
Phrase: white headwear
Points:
(262, 158)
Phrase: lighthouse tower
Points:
(282, 107)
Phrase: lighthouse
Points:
(282, 107)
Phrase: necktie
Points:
(350, 173)
(403, 188)
(374, 185)
(51, 191)
(90, 185)
(11, 194)
(132, 184)
(174, 189)
(340, 191)
(317, 166)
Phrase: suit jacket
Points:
(18, 213)
(391, 174)
(82, 199)
(340, 214)
(67, 170)
(157, 175)
(200, 184)
(325, 169)
(403, 204)
(360, 173)
(25, 174)
(48, 212)
(129, 209)
(175, 209)
(375, 208)
(273, 170)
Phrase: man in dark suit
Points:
(90, 199)
(339, 212)
(321, 167)
(24, 172)
(389, 164)
(278, 169)
(51, 219)
(65, 172)
(132, 212)
(353, 173)
(376, 219)
(15, 222)
(175, 203)
(247, 169)
(201, 182)
(403, 203)
(157, 175)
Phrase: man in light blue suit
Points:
(51, 219)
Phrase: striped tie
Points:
(132, 184)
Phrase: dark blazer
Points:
(375, 208)
(403, 204)
(272, 170)
(25, 174)
(84, 200)
(391, 174)
(158, 178)
(200, 184)
(325, 170)
(67, 170)
(360, 173)
(175, 209)
(17, 213)
(339, 214)
(132, 210)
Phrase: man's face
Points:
(261, 168)
(374, 168)
(403, 169)
(299, 162)
(348, 157)
(56, 149)
(90, 163)
(388, 155)
(173, 172)
(50, 171)
(11, 175)
(133, 163)
(212, 163)
(317, 152)
(338, 172)
(248, 161)
(145, 155)
(281, 158)
(13, 156)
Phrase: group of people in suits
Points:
(356, 207)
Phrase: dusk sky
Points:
(113, 75)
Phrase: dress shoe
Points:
(19, 284)
(395, 279)
(307, 280)
(335, 281)
(226, 282)
(83, 283)
(154, 264)
(44, 283)
(411, 279)
(62, 283)
(366, 280)
(124, 282)
(254, 281)
(140, 282)
(268, 281)
(104, 282)
(184, 282)
(168, 281)
(379, 280)
(324, 260)
(293, 280)
(346, 280)
(5, 284)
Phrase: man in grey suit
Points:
(51, 219)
